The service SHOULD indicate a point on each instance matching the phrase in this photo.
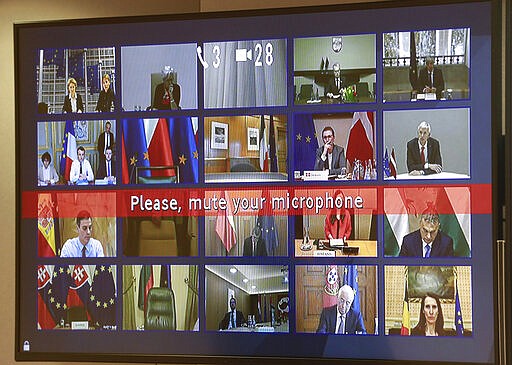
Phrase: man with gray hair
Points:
(342, 318)
(430, 79)
(424, 153)
(428, 240)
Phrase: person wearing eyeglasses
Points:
(330, 156)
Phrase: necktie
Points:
(341, 328)
(107, 141)
(233, 324)
(427, 250)
(431, 78)
(80, 168)
(422, 155)
(108, 168)
(83, 251)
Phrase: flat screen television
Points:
(302, 184)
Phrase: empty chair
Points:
(157, 238)
(161, 310)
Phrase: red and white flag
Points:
(360, 138)
(225, 225)
(263, 147)
(392, 163)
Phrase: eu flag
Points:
(268, 228)
(53, 56)
(350, 279)
(184, 148)
(305, 142)
(135, 152)
(76, 66)
(102, 304)
(387, 169)
(61, 280)
(459, 323)
(93, 78)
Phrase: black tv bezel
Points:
(500, 176)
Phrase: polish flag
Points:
(360, 138)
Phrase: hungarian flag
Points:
(360, 138)
(68, 150)
(263, 147)
(46, 246)
(392, 164)
(406, 320)
(453, 206)
(225, 225)
(146, 282)
(45, 315)
(396, 221)
(332, 285)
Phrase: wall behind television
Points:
(13, 11)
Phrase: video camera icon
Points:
(243, 54)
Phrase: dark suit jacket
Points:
(414, 157)
(338, 160)
(424, 80)
(353, 321)
(159, 97)
(261, 249)
(101, 144)
(67, 104)
(102, 169)
(412, 245)
(240, 319)
(332, 88)
(105, 100)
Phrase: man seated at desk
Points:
(330, 156)
(431, 79)
(83, 245)
(336, 83)
(428, 240)
(107, 167)
(342, 318)
(232, 319)
(46, 173)
(424, 153)
(81, 170)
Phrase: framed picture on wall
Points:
(219, 139)
(253, 139)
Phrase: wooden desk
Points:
(366, 249)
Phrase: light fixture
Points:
(232, 270)
(253, 287)
(245, 280)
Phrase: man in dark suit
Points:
(428, 241)
(255, 245)
(341, 318)
(105, 139)
(431, 79)
(107, 167)
(330, 156)
(167, 94)
(232, 319)
(424, 153)
(336, 83)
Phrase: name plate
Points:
(324, 253)
(430, 96)
(316, 175)
(79, 325)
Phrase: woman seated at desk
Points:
(338, 224)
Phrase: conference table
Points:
(442, 175)
(265, 327)
(236, 177)
(367, 248)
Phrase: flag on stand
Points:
(46, 245)
(332, 286)
(305, 142)
(259, 309)
(159, 145)
(459, 323)
(350, 279)
(135, 151)
(61, 280)
(263, 147)
(225, 224)
(76, 66)
(103, 297)
(53, 56)
(385, 164)
(267, 224)
(146, 282)
(273, 147)
(45, 314)
(392, 163)
(406, 320)
(94, 78)
(184, 148)
(453, 206)
(68, 150)
(360, 138)
(79, 288)
(396, 221)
